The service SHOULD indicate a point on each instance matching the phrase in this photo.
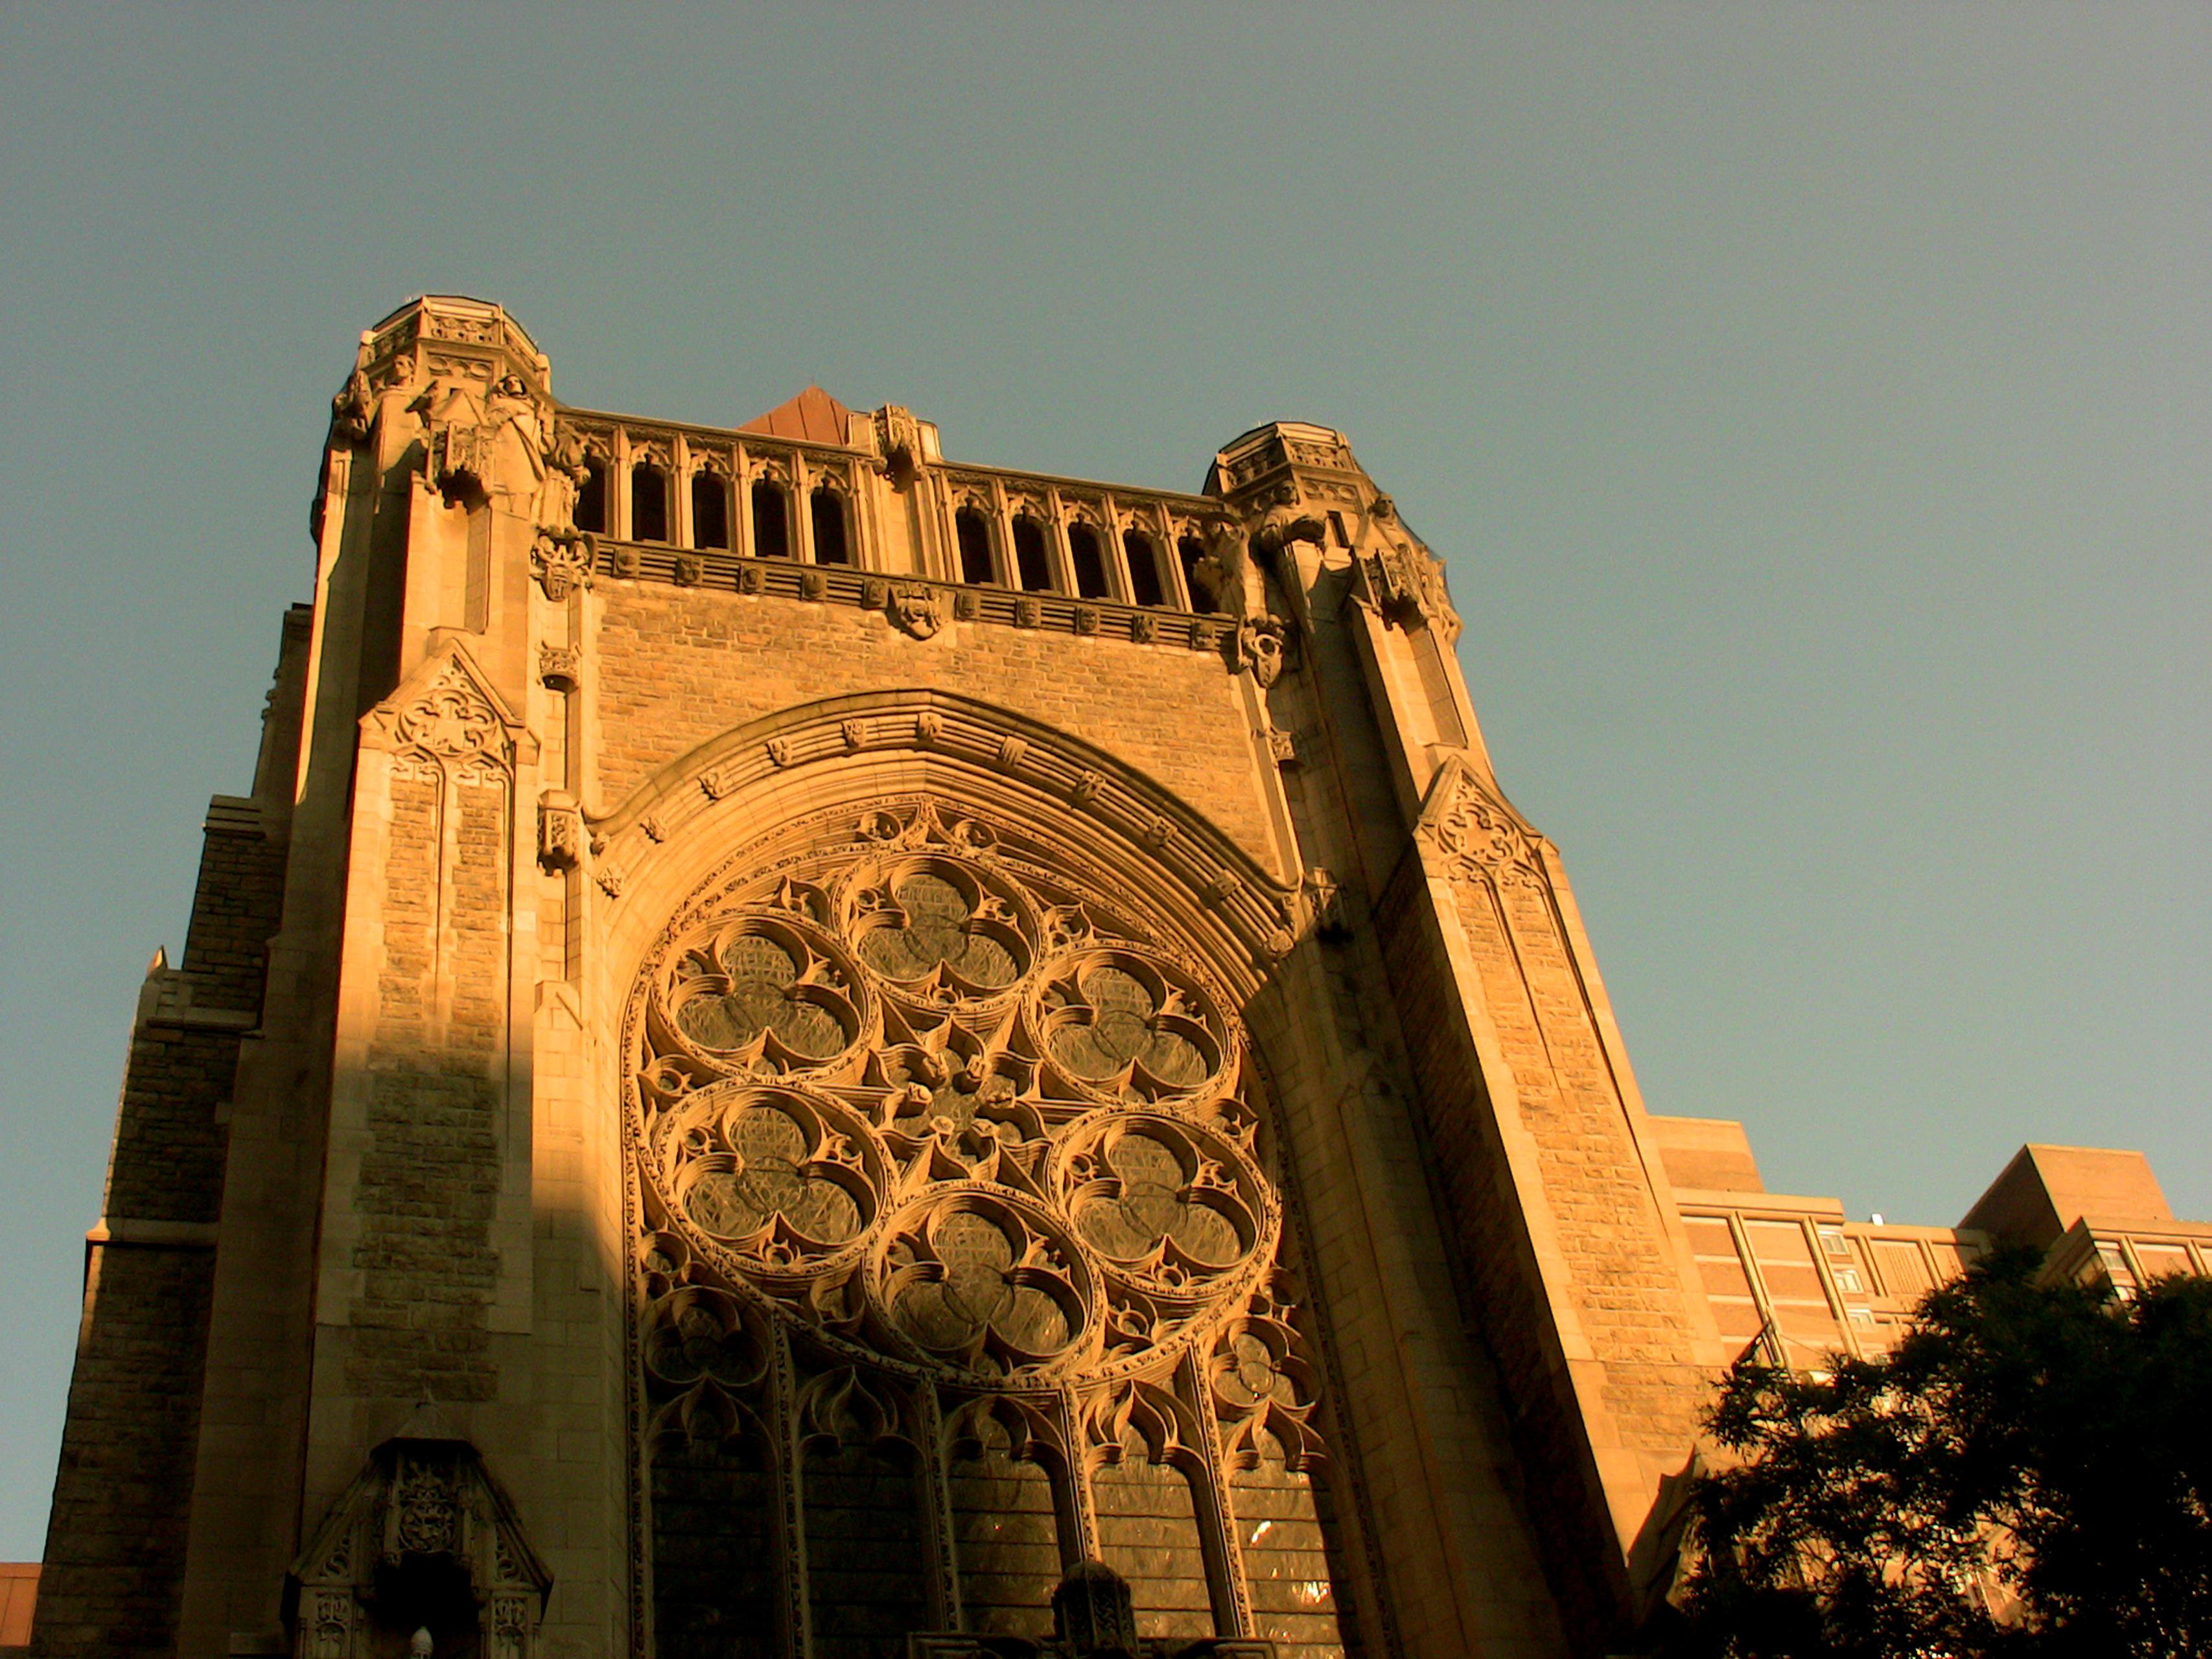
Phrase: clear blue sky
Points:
(1814, 407)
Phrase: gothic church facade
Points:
(797, 1038)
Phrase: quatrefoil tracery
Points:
(941, 1108)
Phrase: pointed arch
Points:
(1082, 803)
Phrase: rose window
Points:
(921, 1103)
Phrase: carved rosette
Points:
(937, 1115)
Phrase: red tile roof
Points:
(813, 416)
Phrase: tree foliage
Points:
(2028, 1473)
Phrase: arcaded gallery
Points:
(800, 1048)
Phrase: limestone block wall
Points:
(1178, 751)
(116, 1536)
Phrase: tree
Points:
(2028, 1473)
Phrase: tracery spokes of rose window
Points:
(925, 1104)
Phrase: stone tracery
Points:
(906, 1108)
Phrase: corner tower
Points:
(842, 1033)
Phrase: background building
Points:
(795, 1038)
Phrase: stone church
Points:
(804, 1048)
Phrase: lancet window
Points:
(832, 545)
(648, 503)
(1142, 553)
(1032, 565)
(710, 509)
(972, 531)
(591, 510)
(1087, 556)
(771, 506)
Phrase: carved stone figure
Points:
(916, 610)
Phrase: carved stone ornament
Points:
(562, 560)
(1225, 567)
(352, 410)
(1279, 527)
(1482, 838)
(558, 666)
(898, 439)
(381, 1566)
(461, 457)
(1259, 647)
(916, 610)
(451, 721)
(1325, 895)
(1408, 584)
(560, 831)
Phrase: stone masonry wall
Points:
(1494, 1259)
(678, 666)
(429, 1176)
(115, 1540)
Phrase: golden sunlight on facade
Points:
(801, 1048)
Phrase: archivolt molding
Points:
(1063, 791)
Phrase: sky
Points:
(1812, 406)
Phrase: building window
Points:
(1831, 1241)
(1145, 585)
(710, 510)
(829, 544)
(2160, 1260)
(771, 521)
(973, 531)
(648, 503)
(1088, 558)
(1031, 568)
(1847, 1278)
(1862, 1317)
(592, 497)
